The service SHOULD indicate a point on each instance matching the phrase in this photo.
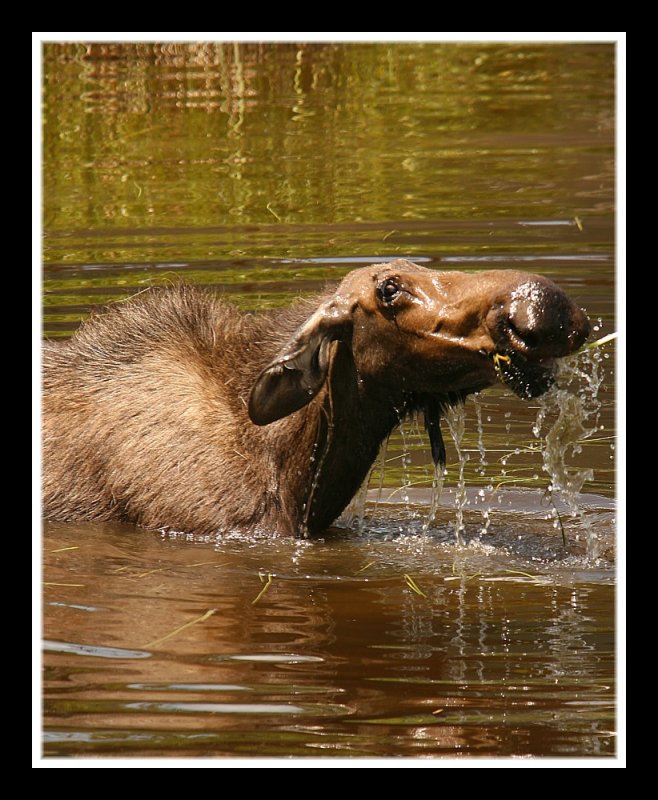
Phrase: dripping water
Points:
(480, 428)
(455, 418)
(383, 456)
(435, 496)
(567, 415)
(482, 470)
(432, 475)
(355, 514)
(405, 460)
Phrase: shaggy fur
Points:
(145, 420)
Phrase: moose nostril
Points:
(527, 336)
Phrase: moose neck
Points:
(345, 427)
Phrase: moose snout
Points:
(538, 320)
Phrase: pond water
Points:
(265, 171)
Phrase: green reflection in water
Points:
(143, 136)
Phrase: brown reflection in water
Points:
(325, 659)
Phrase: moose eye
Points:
(388, 290)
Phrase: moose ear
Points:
(300, 369)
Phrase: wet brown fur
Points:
(145, 417)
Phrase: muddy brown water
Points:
(264, 171)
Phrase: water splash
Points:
(569, 414)
(455, 418)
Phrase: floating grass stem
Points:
(610, 337)
(273, 212)
(268, 583)
(411, 583)
(520, 572)
(49, 583)
(150, 572)
(180, 628)
(497, 359)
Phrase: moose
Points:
(173, 410)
